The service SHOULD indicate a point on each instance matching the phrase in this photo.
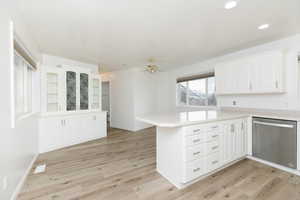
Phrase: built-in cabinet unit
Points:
(199, 150)
(60, 131)
(71, 107)
(257, 74)
(71, 89)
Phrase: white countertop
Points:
(71, 113)
(185, 118)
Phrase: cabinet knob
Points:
(197, 140)
(197, 169)
(196, 130)
(214, 162)
(215, 147)
(232, 127)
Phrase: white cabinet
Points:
(266, 73)
(62, 131)
(51, 134)
(257, 74)
(209, 147)
(232, 77)
(96, 92)
(187, 154)
(53, 90)
(70, 89)
(234, 140)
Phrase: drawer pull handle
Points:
(197, 140)
(196, 130)
(214, 162)
(214, 127)
(215, 147)
(214, 136)
(196, 153)
(197, 169)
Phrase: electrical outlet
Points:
(4, 183)
(40, 169)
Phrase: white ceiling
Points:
(173, 32)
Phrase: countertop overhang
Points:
(185, 118)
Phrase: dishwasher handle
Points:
(274, 124)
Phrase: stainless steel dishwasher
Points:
(275, 141)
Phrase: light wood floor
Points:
(122, 167)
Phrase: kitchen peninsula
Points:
(192, 145)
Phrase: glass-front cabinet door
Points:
(71, 89)
(71, 93)
(53, 90)
(84, 91)
(77, 89)
(96, 91)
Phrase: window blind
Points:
(24, 53)
(194, 77)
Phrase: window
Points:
(196, 91)
(23, 85)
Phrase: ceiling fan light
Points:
(230, 4)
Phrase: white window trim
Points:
(27, 114)
(187, 105)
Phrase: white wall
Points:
(144, 95)
(121, 99)
(132, 93)
(288, 100)
(53, 61)
(18, 145)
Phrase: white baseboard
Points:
(293, 171)
(184, 185)
(22, 181)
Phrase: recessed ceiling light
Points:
(230, 4)
(263, 26)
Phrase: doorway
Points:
(106, 99)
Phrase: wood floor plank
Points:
(122, 167)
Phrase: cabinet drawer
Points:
(213, 127)
(213, 135)
(195, 152)
(214, 161)
(213, 146)
(195, 139)
(194, 130)
(195, 169)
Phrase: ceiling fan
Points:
(151, 67)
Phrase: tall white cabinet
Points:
(71, 107)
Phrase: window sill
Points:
(187, 107)
(25, 116)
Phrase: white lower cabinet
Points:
(195, 169)
(209, 147)
(61, 131)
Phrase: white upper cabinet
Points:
(53, 88)
(258, 74)
(70, 89)
(96, 92)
